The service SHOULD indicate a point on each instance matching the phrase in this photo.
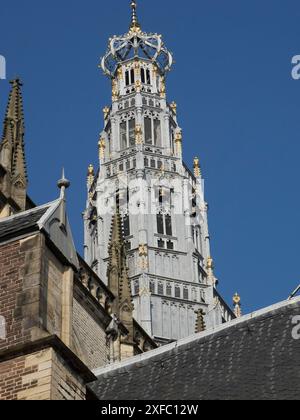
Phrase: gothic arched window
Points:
(129, 77)
(160, 289)
(186, 293)
(152, 287)
(143, 76)
(126, 225)
(152, 131)
(177, 292)
(136, 288)
(127, 133)
(148, 130)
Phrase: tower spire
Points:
(12, 151)
(134, 19)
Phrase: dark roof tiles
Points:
(23, 222)
(252, 359)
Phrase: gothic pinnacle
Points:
(13, 133)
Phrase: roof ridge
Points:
(196, 337)
(33, 210)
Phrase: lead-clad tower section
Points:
(161, 202)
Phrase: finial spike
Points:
(134, 18)
(63, 184)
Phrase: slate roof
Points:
(20, 223)
(252, 358)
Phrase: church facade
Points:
(147, 276)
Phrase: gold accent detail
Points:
(138, 134)
(237, 305)
(115, 90)
(91, 175)
(155, 70)
(120, 73)
(178, 137)
(143, 250)
(135, 30)
(236, 299)
(143, 257)
(138, 86)
(173, 107)
(143, 263)
(197, 169)
(210, 263)
(106, 112)
(163, 88)
(101, 146)
(137, 67)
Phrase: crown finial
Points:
(134, 19)
(63, 184)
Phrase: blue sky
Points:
(237, 104)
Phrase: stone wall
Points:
(65, 384)
(43, 375)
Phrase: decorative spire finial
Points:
(210, 272)
(237, 305)
(197, 168)
(90, 175)
(63, 184)
(134, 20)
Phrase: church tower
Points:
(161, 202)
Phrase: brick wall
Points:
(43, 375)
(36, 297)
(30, 291)
(12, 262)
(65, 385)
(89, 338)
(26, 377)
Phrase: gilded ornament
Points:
(138, 134)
